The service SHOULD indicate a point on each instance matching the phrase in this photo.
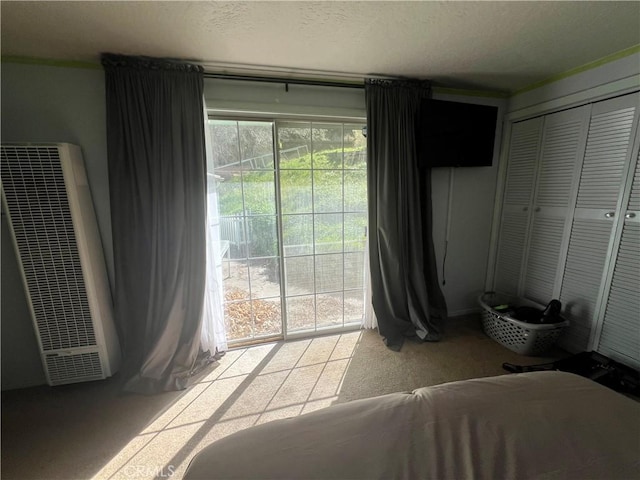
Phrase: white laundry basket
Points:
(520, 337)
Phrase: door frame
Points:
(275, 119)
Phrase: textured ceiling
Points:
(500, 46)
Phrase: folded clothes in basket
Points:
(550, 314)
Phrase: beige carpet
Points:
(92, 431)
(465, 352)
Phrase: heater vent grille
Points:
(37, 202)
(78, 367)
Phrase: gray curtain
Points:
(157, 175)
(406, 296)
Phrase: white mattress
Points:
(529, 425)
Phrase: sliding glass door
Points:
(292, 201)
(243, 169)
(323, 211)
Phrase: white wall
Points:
(48, 104)
(471, 213)
(276, 99)
(56, 104)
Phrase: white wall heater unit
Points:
(50, 212)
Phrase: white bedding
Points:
(531, 425)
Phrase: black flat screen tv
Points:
(454, 134)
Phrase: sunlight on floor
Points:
(250, 386)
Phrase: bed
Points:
(531, 425)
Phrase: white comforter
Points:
(531, 425)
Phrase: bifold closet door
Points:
(619, 335)
(563, 142)
(602, 180)
(523, 155)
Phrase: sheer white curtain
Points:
(369, 319)
(214, 335)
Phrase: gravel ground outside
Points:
(247, 319)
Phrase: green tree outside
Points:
(336, 188)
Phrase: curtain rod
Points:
(285, 81)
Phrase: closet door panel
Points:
(620, 335)
(607, 153)
(582, 279)
(634, 197)
(512, 240)
(523, 155)
(604, 168)
(544, 250)
(562, 151)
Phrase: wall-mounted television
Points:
(454, 134)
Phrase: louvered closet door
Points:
(620, 333)
(604, 169)
(523, 155)
(563, 143)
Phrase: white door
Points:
(602, 181)
(619, 335)
(293, 210)
(523, 156)
(563, 145)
